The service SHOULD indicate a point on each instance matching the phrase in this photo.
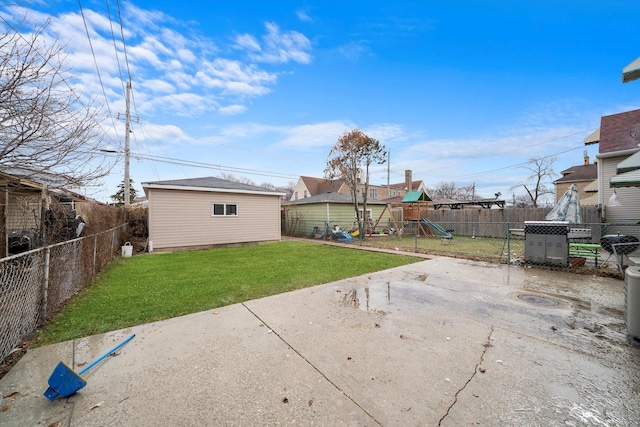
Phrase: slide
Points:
(437, 229)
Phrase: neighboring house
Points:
(209, 212)
(308, 186)
(583, 176)
(618, 138)
(591, 191)
(328, 209)
(21, 209)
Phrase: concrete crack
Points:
(314, 367)
(475, 371)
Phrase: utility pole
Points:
(127, 130)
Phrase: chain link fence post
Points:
(95, 253)
(508, 243)
(45, 285)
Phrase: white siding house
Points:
(210, 212)
(618, 138)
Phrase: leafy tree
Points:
(44, 127)
(118, 198)
(354, 152)
(535, 185)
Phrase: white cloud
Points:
(353, 51)
(303, 16)
(248, 42)
(278, 47)
(313, 135)
(169, 69)
(158, 86)
(232, 109)
(167, 134)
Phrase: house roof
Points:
(626, 179)
(331, 198)
(630, 163)
(416, 196)
(619, 132)
(209, 184)
(594, 138)
(592, 187)
(578, 174)
(631, 71)
(317, 186)
(401, 185)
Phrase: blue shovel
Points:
(64, 382)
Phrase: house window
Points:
(369, 213)
(305, 194)
(224, 209)
(296, 196)
(373, 193)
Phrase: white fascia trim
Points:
(209, 189)
(617, 153)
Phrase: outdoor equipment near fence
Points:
(632, 300)
(546, 242)
(64, 382)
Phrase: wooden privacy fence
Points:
(481, 222)
(590, 214)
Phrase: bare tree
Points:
(288, 189)
(521, 201)
(542, 171)
(269, 186)
(231, 177)
(450, 190)
(352, 152)
(45, 130)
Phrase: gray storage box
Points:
(632, 300)
(546, 242)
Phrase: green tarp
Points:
(416, 196)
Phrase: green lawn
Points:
(146, 288)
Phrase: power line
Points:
(95, 61)
(115, 47)
(203, 165)
(517, 165)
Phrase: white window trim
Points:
(225, 214)
(369, 213)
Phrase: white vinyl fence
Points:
(35, 285)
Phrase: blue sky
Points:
(463, 91)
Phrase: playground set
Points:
(409, 214)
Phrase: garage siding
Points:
(183, 218)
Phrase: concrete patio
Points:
(441, 342)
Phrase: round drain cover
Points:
(535, 299)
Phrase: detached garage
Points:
(208, 212)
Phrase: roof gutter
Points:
(146, 186)
(617, 153)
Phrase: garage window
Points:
(224, 209)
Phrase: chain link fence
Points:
(539, 243)
(35, 285)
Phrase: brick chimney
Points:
(586, 158)
(408, 179)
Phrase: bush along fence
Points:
(528, 242)
(35, 285)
